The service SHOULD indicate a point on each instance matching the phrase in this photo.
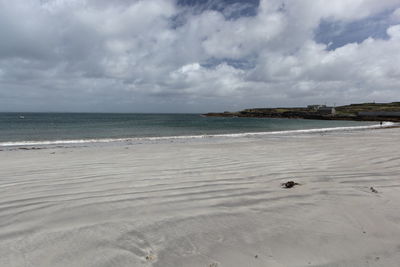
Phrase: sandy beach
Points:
(209, 202)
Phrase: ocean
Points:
(66, 128)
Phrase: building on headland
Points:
(315, 107)
(322, 109)
(327, 111)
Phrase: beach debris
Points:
(289, 184)
(256, 256)
(373, 190)
(150, 257)
(214, 264)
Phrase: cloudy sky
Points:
(196, 55)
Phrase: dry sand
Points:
(213, 202)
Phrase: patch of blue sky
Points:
(338, 33)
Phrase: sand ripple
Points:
(208, 203)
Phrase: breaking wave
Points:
(160, 138)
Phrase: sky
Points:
(196, 55)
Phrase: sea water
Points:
(67, 128)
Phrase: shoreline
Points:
(66, 143)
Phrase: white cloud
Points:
(394, 32)
(156, 56)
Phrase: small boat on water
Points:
(22, 117)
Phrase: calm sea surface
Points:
(17, 127)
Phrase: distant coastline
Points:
(355, 112)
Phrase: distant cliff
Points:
(361, 112)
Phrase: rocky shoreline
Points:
(354, 112)
(301, 116)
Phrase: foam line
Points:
(246, 134)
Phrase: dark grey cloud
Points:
(195, 56)
(231, 9)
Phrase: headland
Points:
(356, 112)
